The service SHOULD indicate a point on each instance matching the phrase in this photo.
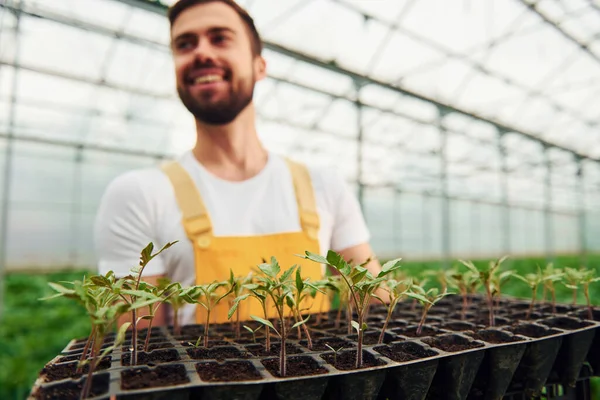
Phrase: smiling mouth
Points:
(208, 79)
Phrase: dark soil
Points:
(164, 375)
(452, 343)
(142, 332)
(336, 343)
(584, 314)
(370, 338)
(402, 352)
(495, 337)
(259, 349)
(142, 340)
(219, 353)
(151, 346)
(57, 372)
(412, 331)
(296, 366)
(80, 344)
(565, 323)
(459, 326)
(152, 358)
(346, 360)
(211, 343)
(228, 372)
(72, 390)
(534, 331)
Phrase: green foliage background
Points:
(33, 332)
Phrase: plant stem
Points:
(320, 314)
(282, 357)
(490, 304)
(267, 335)
(586, 292)
(385, 324)
(148, 334)
(87, 387)
(237, 324)
(533, 296)
(359, 358)
(305, 329)
(465, 302)
(206, 328)
(338, 318)
(86, 348)
(575, 296)
(423, 318)
(133, 336)
(297, 318)
(176, 327)
(349, 317)
(553, 301)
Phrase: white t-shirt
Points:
(139, 207)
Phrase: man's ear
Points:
(260, 68)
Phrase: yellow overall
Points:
(214, 256)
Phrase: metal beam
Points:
(554, 24)
(91, 146)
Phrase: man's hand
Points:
(361, 253)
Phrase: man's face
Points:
(214, 65)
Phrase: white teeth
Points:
(208, 78)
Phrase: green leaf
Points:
(316, 258)
(287, 273)
(270, 269)
(358, 274)
(60, 288)
(235, 305)
(297, 324)
(264, 322)
(421, 298)
(390, 266)
(355, 326)
(299, 282)
(246, 327)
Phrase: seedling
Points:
(487, 278)
(362, 286)
(207, 296)
(572, 279)
(396, 290)
(259, 293)
(280, 290)
(160, 294)
(427, 299)
(130, 285)
(551, 275)
(463, 282)
(252, 331)
(104, 308)
(302, 289)
(588, 277)
(177, 301)
(236, 288)
(335, 352)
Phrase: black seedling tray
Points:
(454, 360)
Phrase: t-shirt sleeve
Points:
(349, 226)
(124, 226)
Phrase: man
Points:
(228, 202)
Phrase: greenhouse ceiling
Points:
(456, 89)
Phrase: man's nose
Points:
(204, 51)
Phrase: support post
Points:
(581, 192)
(442, 112)
(505, 213)
(359, 143)
(8, 161)
(548, 222)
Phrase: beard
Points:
(222, 111)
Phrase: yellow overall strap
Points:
(195, 219)
(305, 196)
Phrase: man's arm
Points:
(160, 317)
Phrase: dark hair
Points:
(256, 43)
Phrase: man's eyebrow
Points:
(213, 30)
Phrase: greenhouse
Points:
(467, 130)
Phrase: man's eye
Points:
(219, 39)
(183, 45)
